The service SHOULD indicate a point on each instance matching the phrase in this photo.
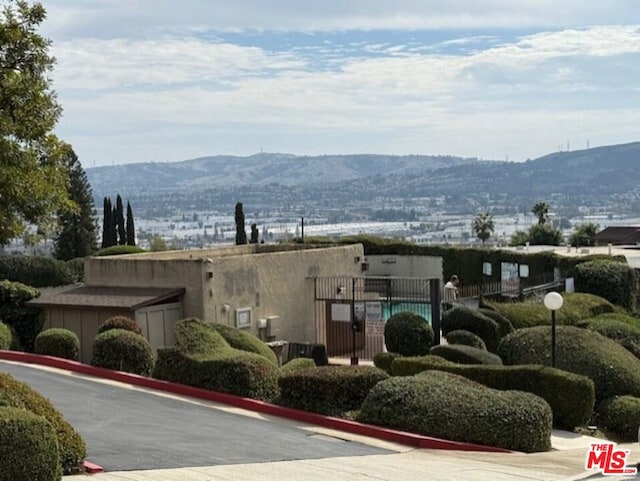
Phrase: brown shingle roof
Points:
(619, 235)
(107, 297)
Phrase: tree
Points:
(157, 243)
(106, 222)
(241, 235)
(545, 234)
(119, 214)
(483, 226)
(584, 235)
(131, 230)
(77, 237)
(519, 238)
(254, 234)
(541, 209)
(33, 177)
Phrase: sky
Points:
(165, 80)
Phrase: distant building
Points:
(619, 235)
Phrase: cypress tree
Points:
(106, 221)
(113, 232)
(254, 234)
(122, 234)
(241, 235)
(131, 230)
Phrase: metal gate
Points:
(350, 312)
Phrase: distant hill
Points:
(259, 169)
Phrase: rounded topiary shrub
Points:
(627, 335)
(408, 366)
(297, 364)
(615, 281)
(73, 450)
(619, 416)
(5, 336)
(408, 334)
(613, 369)
(383, 360)
(329, 390)
(58, 342)
(448, 406)
(123, 350)
(504, 325)
(466, 338)
(120, 322)
(245, 341)
(462, 354)
(29, 447)
(463, 318)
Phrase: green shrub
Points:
(58, 342)
(615, 316)
(614, 281)
(14, 393)
(627, 335)
(123, 350)
(29, 447)
(120, 322)
(36, 271)
(5, 336)
(329, 390)
(203, 358)
(452, 407)
(297, 364)
(504, 325)
(76, 267)
(408, 334)
(383, 360)
(570, 395)
(619, 416)
(119, 250)
(576, 307)
(26, 321)
(466, 338)
(465, 354)
(245, 341)
(229, 370)
(613, 369)
(463, 318)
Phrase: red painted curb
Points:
(400, 437)
(92, 468)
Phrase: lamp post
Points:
(553, 301)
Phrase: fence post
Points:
(436, 302)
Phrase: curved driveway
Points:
(133, 429)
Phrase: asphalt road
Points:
(128, 429)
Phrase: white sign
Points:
(373, 311)
(341, 312)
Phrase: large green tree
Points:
(77, 236)
(483, 226)
(33, 177)
(541, 210)
(584, 235)
(241, 234)
(131, 228)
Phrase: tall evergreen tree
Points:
(254, 234)
(113, 233)
(131, 230)
(77, 237)
(241, 235)
(122, 233)
(106, 221)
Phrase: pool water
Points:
(421, 309)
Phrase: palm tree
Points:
(483, 226)
(541, 209)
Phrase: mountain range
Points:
(581, 177)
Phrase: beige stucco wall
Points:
(405, 266)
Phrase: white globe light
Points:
(553, 301)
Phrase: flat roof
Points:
(107, 297)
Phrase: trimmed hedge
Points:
(36, 271)
(29, 447)
(120, 322)
(26, 321)
(297, 364)
(614, 281)
(123, 350)
(627, 335)
(463, 318)
(570, 395)
(245, 341)
(408, 334)
(73, 450)
(504, 325)
(5, 336)
(620, 416)
(613, 369)
(58, 342)
(329, 390)
(576, 307)
(466, 338)
(617, 317)
(203, 358)
(383, 360)
(449, 406)
(119, 250)
(465, 354)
